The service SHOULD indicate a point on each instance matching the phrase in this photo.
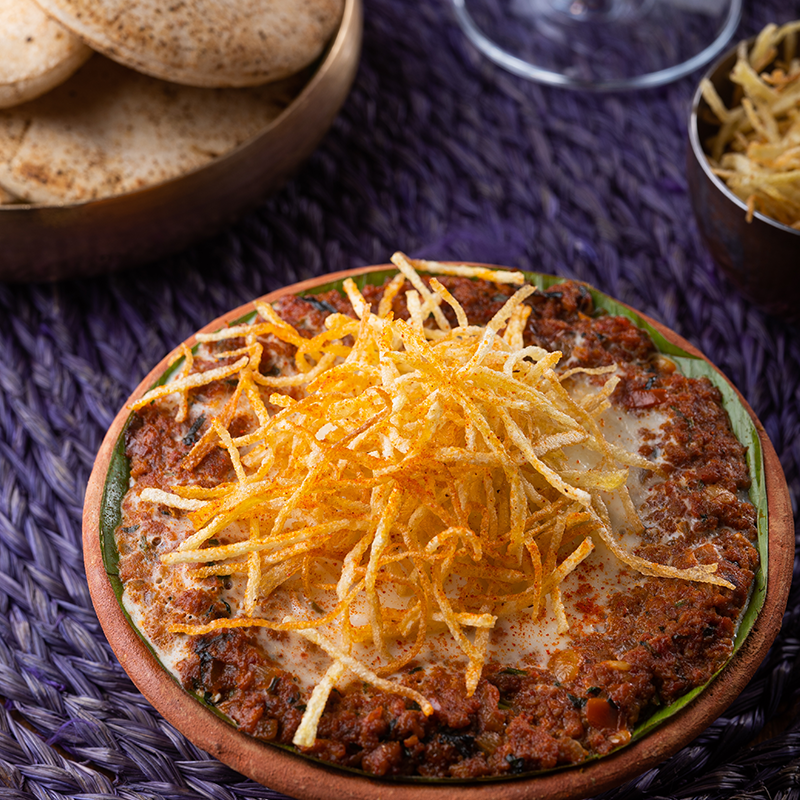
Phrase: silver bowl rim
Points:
(329, 53)
(702, 158)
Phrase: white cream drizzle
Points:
(515, 641)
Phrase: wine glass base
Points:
(600, 45)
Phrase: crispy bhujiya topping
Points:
(757, 149)
(421, 484)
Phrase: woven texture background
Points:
(438, 153)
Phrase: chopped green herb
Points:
(191, 434)
(578, 702)
(516, 764)
(321, 305)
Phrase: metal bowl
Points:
(45, 242)
(760, 257)
(305, 779)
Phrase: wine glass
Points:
(599, 45)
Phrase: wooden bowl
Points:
(44, 242)
(304, 779)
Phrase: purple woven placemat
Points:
(440, 154)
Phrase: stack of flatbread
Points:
(100, 97)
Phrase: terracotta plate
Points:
(308, 780)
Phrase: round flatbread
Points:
(36, 53)
(205, 42)
(110, 130)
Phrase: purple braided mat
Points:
(441, 154)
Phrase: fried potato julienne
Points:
(757, 149)
(419, 485)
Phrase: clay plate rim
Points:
(306, 780)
